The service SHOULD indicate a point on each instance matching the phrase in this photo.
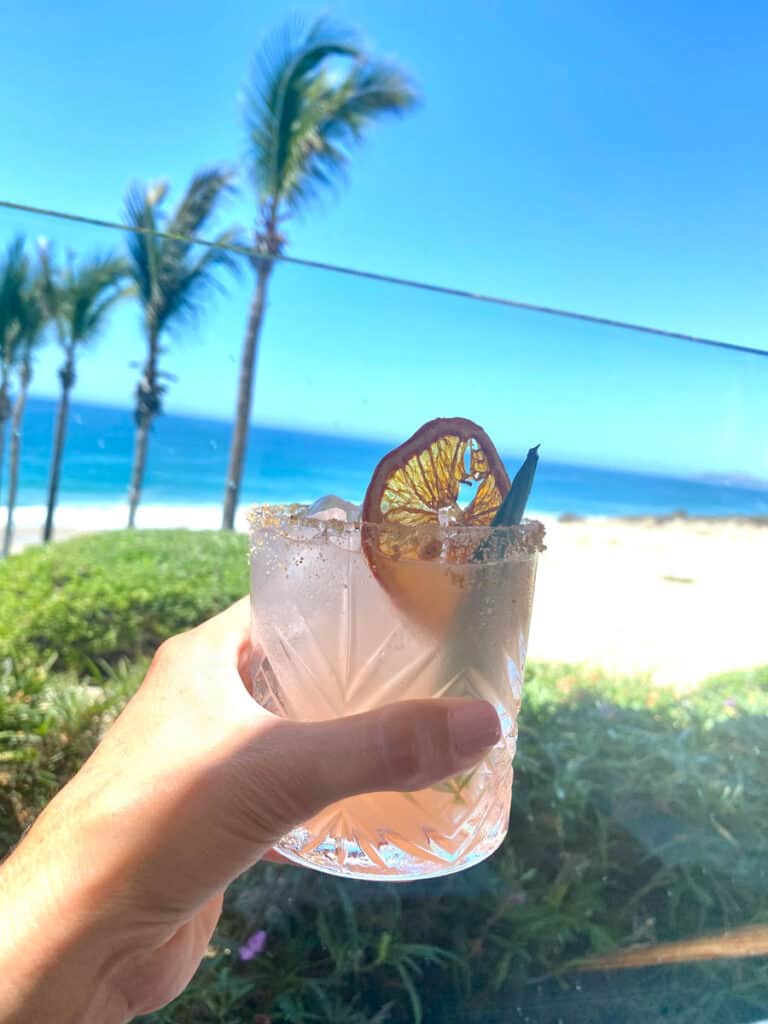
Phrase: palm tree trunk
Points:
(245, 396)
(5, 411)
(141, 443)
(67, 377)
(2, 454)
(147, 406)
(25, 375)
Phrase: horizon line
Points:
(705, 477)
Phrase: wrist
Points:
(56, 958)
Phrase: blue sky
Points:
(602, 157)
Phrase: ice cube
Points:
(331, 506)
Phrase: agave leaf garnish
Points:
(470, 648)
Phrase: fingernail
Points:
(474, 727)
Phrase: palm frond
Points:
(14, 271)
(140, 214)
(371, 90)
(50, 283)
(303, 113)
(35, 317)
(23, 312)
(281, 74)
(96, 319)
(316, 163)
(91, 290)
(201, 277)
(205, 192)
(169, 276)
(197, 208)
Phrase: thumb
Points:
(297, 768)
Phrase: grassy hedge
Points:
(109, 596)
(637, 817)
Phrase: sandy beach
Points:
(678, 599)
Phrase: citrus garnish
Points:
(416, 493)
(420, 481)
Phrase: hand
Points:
(109, 902)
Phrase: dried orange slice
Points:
(416, 490)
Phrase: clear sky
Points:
(610, 158)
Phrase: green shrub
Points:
(49, 724)
(113, 595)
(638, 816)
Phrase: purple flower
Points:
(254, 946)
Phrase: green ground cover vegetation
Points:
(638, 816)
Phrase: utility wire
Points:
(371, 275)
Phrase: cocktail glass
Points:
(334, 642)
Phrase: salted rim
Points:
(526, 537)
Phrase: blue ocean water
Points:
(188, 459)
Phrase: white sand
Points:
(679, 600)
(74, 519)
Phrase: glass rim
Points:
(525, 538)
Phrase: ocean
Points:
(188, 459)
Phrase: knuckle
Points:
(275, 790)
(402, 754)
(169, 650)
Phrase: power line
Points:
(372, 275)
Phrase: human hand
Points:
(109, 902)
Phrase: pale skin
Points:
(109, 902)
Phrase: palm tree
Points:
(312, 97)
(32, 324)
(171, 278)
(13, 272)
(78, 299)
